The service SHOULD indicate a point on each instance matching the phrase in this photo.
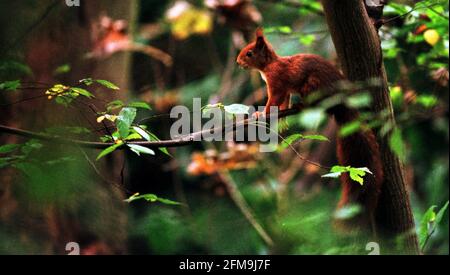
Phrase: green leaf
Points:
(281, 29)
(142, 133)
(165, 151)
(307, 40)
(339, 169)
(8, 148)
(359, 100)
(82, 92)
(150, 137)
(429, 222)
(356, 174)
(87, 81)
(133, 136)
(109, 150)
(237, 109)
(441, 213)
(140, 149)
(396, 8)
(364, 169)
(151, 198)
(397, 145)
(350, 128)
(347, 212)
(107, 84)
(62, 69)
(115, 104)
(289, 140)
(10, 85)
(427, 101)
(168, 202)
(334, 175)
(316, 137)
(285, 29)
(124, 121)
(147, 197)
(140, 104)
(293, 138)
(424, 229)
(336, 171)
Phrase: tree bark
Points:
(359, 50)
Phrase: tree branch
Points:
(182, 141)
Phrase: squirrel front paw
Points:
(257, 115)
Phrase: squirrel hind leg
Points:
(286, 103)
(283, 125)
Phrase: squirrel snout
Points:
(241, 63)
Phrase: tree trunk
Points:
(358, 47)
(49, 34)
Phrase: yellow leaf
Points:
(203, 23)
(431, 36)
(111, 118)
(191, 21)
(100, 119)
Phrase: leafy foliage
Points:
(429, 223)
(124, 121)
(10, 85)
(356, 174)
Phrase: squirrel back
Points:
(308, 73)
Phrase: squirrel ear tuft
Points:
(260, 40)
(259, 32)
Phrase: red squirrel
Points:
(305, 74)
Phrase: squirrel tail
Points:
(359, 149)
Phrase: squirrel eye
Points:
(249, 54)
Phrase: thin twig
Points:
(239, 200)
(113, 183)
(384, 22)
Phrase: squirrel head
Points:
(258, 54)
